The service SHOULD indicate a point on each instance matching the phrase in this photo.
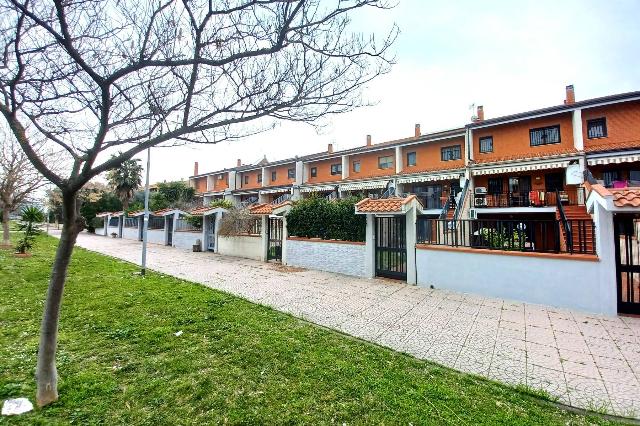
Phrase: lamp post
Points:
(145, 224)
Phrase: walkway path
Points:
(587, 361)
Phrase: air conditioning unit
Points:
(480, 202)
(481, 190)
(473, 214)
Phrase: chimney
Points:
(195, 168)
(368, 140)
(480, 113)
(417, 131)
(570, 97)
(239, 162)
(330, 148)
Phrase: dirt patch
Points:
(284, 268)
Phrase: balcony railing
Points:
(569, 196)
(542, 236)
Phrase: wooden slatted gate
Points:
(391, 247)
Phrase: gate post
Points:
(264, 235)
(283, 247)
(370, 248)
(410, 243)
(605, 249)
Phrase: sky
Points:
(509, 56)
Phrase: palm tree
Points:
(125, 180)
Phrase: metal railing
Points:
(563, 219)
(186, 224)
(281, 199)
(542, 236)
(131, 222)
(331, 196)
(155, 222)
(249, 202)
(568, 196)
(461, 200)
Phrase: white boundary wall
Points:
(155, 236)
(249, 247)
(341, 257)
(100, 231)
(111, 230)
(130, 233)
(185, 239)
(558, 281)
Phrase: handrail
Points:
(445, 209)
(567, 229)
(588, 177)
(460, 205)
(281, 199)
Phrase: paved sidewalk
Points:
(587, 361)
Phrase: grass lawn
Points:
(236, 362)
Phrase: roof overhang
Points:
(388, 206)
(207, 211)
(359, 186)
(503, 168)
(430, 177)
(281, 190)
(613, 158)
(318, 188)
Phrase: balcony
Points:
(568, 196)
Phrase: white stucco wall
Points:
(559, 282)
(342, 258)
(111, 230)
(130, 233)
(247, 247)
(155, 236)
(100, 231)
(186, 240)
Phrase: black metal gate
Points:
(626, 232)
(391, 247)
(274, 234)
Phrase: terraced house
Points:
(537, 206)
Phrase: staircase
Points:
(581, 225)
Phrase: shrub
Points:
(327, 219)
(224, 204)
(29, 218)
(238, 222)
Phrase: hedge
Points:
(327, 219)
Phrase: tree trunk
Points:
(46, 374)
(5, 227)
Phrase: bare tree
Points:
(19, 180)
(94, 77)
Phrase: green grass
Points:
(236, 362)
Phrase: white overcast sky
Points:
(509, 56)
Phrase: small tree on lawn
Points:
(19, 180)
(95, 77)
(125, 180)
(29, 219)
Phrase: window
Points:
(544, 135)
(356, 166)
(291, 173)
(448, 153)
(336, 169)
(411, 159)
(597, 128)
(260, 177)
(486, 144)
(273, 175)
(385, 162)
(554, 182)
(314, 171)
(609, 177)
(246, 180)
(495, 186)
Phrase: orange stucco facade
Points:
(428, 156)
(511, 140)
(369, 164)
(201, 184)
(622, 121)
(323, 168)
(252, 181)
(282, 173)
(220, 181)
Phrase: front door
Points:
(626, 232)
(391, 248)
(211, 232)
(274, 233)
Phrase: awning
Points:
(275, 191)
(318, 188)
(357, 186)
(430, 178)
(613, 159)
(520, 168)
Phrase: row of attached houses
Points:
(539, 206)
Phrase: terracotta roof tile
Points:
(527, 155)
(263, 208)
(163, 211)
(629, 197)
(613, 146)
(383, 205)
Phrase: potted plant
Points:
(30, 216)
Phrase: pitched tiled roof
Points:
(613, 146)
(629, 197)
(163, 211)
(526, 156)
(263, 208)
(103, 214)
(383, 205)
